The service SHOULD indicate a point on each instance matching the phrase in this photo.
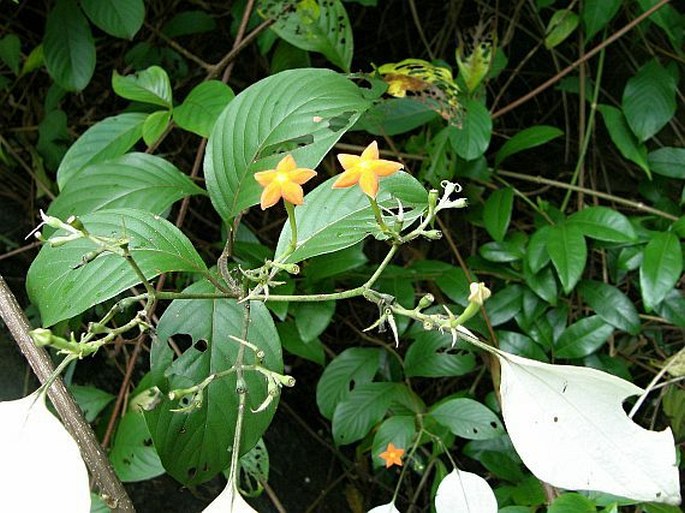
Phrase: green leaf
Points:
(450, 280)
(394, 116)
(668, 162)
(133, 455)
(333, 264)
(473, 137)
(497, 212)
(537, 255)
(431, 355)
(572, 503)
(363, 408)
(399, 430)
(520, 344)
(188, 23)
(10, 52)
(504, 304)
(302, 111)
(61, 291)
(91, 400)
(34, 60)
(354, 365)
(502, 252)
(119, 18)
(661, 268)
(150, 85)
(560, 26)
(649, 100)
(672, 308)
(315, 26)
(107, 139)
(68, 46)
(313, 318)
(622, 136)
(612, 305)
(568, 251)
(335, 219)
(543, 283)
(597, 14)
(525, 139)
(201, 108)
(134, 180)
(194, 446)
(467, 418)
(293, 343)
(583, 338)
(668, 18)
(155, 125)
(603, 223)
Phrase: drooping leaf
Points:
(583, 337)
(464, 492)
(497, 212)
(335, 219)
(398, 430)
(568, 251)
(134, 180)
(468, 419)
(32, 439)
(604, 223)
(568, 425)
(107, 139)
(60, 290)
(622, 136)
(201, 108)
(661, 268)
(649, 100)
(119, 18)
(194, 446)
(354, 365)
(133, 455)
(68, 46)
(561, 25)
(668, 162)
(525, 139)
(611, 304)
(473, 138)
(303, 112)
(150, 85)
(596, 14)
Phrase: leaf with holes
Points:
(61, 290)
(133, 454)
(464, 492)
(302, 111)
(194, 446)
(467, 418)
(568, 425)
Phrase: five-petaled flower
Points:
(365, 170)
(392, 455)
(283, 182)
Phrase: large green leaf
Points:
(525, 139)
(334, 219)
(497, 212)
(201, 108)
(597, 13)
(473, 138)
(431, 355)
(107, 139)
(150, 85)
(133, 456)
(583, 338)
(119, 18)
(612, 305)
(623, 137)
(661, 268)
(315, 26)
(61, 291)
(303, 111)
(649, 100)
(68, 46)
(194, 446)
(134, 180)
(568, 251)
(356, 365)
(603, 223)
(468, 419)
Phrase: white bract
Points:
(385, 508)
(464, 492)
(229, 501)
(568, 425)
(40, 464)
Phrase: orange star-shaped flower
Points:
(392, 456)
(283, 182)
(365, 170)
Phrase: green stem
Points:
(378, 215)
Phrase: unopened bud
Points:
(426, 301)
(433, 234)
(41, 337)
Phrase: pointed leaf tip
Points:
(464, 492)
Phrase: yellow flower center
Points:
(282, 177)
